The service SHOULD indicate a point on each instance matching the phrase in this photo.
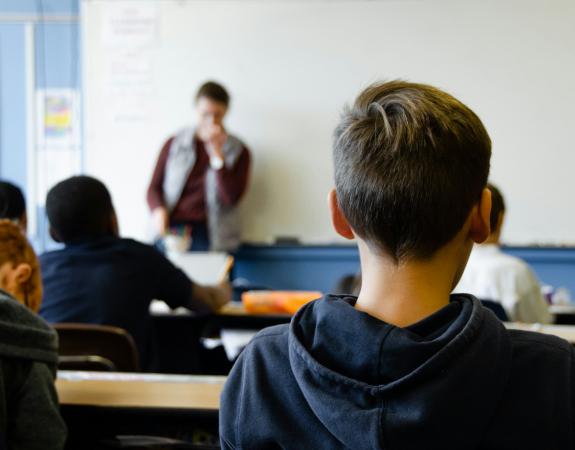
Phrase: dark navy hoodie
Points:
(338, 378)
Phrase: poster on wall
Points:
(58, 118)
(129, 24)
(58, 151)
(129, 32)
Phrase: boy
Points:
(101, 278)
(493, 275)
(403, 365)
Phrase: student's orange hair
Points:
(15, 249)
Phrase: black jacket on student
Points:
(337, 378)
(111, 281)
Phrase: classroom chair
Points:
(96, 347)
(151, 443)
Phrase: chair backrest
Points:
(96, 347)
(86, 362)
(497, 309)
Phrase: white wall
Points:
(291, 66)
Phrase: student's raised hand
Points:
(161, 220)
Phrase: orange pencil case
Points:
(282, 302)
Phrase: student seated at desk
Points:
(101, 278)
(13, 204)
(404, 365)
(29, 413)
(493, 275)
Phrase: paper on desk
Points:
(234, 341)
(201, 267)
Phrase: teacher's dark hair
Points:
(80, 208)
(214, 91)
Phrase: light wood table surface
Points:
(566, 332)
(237, 309)
(562, 309)
(159, 308)
(123, 390)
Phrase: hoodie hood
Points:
(24, 335)
(374, 385)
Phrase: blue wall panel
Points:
(321, 267)
(49, 7)
(553, 266)
(13, 104)
(57, 55)
(295, 267)
(57, 65)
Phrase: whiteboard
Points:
(292, 65)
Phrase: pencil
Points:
(227, 268)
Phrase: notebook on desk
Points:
(200, 267)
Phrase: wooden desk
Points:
(122, 390)
(566, 332)
(100, 405)
(564, 314)
(232, 309)
(562, 309)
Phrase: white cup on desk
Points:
(177, 244)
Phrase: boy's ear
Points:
(338, 220)
(53, 234)
(23, 272)
(23, 222)
(115, 225)
(480, 227)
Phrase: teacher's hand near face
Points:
(215, 137)
(201, 173)
(161, 219)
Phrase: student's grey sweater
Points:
(29, 412)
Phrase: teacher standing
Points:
(201, 175)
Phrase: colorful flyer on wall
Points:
(58, 118)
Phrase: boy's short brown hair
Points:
(410, 162)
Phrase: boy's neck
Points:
(403, 294)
